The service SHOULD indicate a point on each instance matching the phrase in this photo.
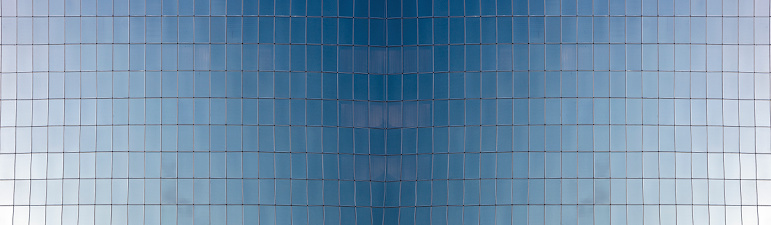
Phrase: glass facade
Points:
(409, 112)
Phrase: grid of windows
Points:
(385, 112)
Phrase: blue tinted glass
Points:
(384, 112)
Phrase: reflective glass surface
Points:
(409, 112)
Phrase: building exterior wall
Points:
(385, 112)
